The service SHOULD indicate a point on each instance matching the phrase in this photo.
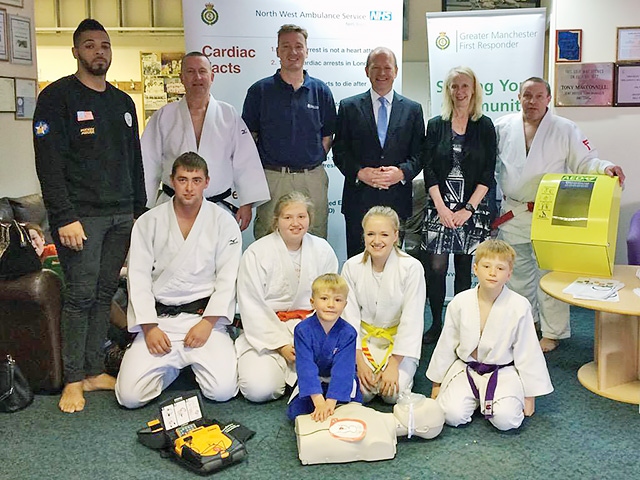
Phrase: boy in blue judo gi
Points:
(325, 347)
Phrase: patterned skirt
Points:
(438, 239)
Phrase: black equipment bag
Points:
(17, 255)
(199, 444)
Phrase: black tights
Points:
(437, 265)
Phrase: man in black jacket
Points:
(90, 169)
(377, 147)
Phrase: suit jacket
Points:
(356, 146)
(479, 154)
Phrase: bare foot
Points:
(99, 382)
(72, 398)
(548, 344)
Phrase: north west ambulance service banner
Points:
(240, 39)
(502, 47)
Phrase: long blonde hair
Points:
(385, 212)
(475, 107)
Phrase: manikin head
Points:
(418, 416)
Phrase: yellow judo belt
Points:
(377, 332)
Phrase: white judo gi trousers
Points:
(552, 314)
(458, 402)
(144, 376)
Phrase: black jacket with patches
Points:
(87, 151)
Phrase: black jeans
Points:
(91, 278)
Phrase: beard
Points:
(94, 68)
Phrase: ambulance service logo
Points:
(209, 14)
(443, 42)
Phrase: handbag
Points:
(15, 392)
(17, 255)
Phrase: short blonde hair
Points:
(496, 248)
(330, 281)
(475, 107)
(289, 27)
(287, 199)
(386, 212)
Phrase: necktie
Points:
(382, 120)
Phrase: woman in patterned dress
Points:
(459, 161)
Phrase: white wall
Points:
(614, 131)
(55, 59)
(17, 167)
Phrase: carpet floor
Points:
(573, 434)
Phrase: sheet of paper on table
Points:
(603, 289)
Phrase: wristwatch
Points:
(471, 208)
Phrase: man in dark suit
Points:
(377, 147)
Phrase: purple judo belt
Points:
(482, 369)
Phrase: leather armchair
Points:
(30, 309)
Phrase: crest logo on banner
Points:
(209, 15)
(443, 42)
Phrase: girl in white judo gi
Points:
(274, 288)
(488, 354)
(385, 305)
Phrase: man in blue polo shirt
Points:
(292, 117)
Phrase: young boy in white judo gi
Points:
(488, 354)
(325, 346)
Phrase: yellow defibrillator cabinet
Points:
(575, 223)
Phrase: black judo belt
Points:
(196, 307)
(220, 198)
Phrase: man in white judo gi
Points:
(530, 145)
(213, 129)
(183, 265)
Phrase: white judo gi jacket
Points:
(166, 267)
(398, 301)
(558, 147)
(509, 336)
(225, 143)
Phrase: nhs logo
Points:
(380, 15)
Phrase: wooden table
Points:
(615, 371)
